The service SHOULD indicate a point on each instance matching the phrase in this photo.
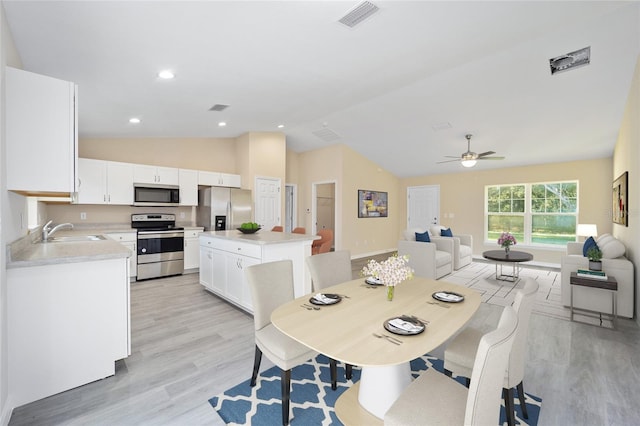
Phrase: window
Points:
(536, 214)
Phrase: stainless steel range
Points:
(160, 245)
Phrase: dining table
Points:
(354, 330)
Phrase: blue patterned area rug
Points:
(312, 399)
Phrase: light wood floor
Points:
(188, 345)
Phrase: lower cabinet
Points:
(191, 250)
(70, 322)
(130, 241)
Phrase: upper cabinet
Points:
(188, 187)
(155, 175)
(218, 179)
(41, 133)
(104, 182)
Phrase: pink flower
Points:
(506, 239)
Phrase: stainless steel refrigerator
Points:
(223, 208)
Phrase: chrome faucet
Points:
(47, 232)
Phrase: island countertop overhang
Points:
(260, 237)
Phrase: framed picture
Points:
(372, 203)
(620, 209)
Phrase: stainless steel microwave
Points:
(155, 195)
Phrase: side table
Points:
(610, 284)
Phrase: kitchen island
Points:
(225, 254)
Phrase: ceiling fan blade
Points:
(448, 161)
(491, 158)
(452, 156)
(486, 153)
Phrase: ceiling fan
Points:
(469, 159)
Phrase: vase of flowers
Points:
(506, 240)
(390, 272)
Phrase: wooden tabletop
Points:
(344, 331)
(512, 256)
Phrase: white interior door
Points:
(267, 195)
(423, 206)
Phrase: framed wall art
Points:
(372, 203)
(620, 209)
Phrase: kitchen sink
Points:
(75, 238)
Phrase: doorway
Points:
(267, 196)
(290, 206)
(324, 212)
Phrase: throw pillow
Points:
(446, 233)
(424, 237)
(588, 243)
(612, 248)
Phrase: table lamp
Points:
(587, 230)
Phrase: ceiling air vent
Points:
(218, 107)
(358, 14)
(326, 135)
(570, 60)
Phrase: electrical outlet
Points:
(83, 215)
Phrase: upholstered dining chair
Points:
(323, 245)
(277, 228)
(329, 269)
(435, 399)
(271, 285)
(299, 230)
(460, 353)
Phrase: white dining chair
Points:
(435, 399)
(460, 353)
(329, 269)
(271, 285)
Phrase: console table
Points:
(513, 257)
(610, 285)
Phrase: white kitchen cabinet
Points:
(219, 179)
(130, 241)
(41, 133)
(155, 175)
(104, 182)
(188, 187)
(226, 254)
(70, 322)
(191, 250)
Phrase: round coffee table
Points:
(514, 257)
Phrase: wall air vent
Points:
(570, 60)
(358, 14)
(218, 107)
(326, 135)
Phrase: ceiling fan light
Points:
(468, 163)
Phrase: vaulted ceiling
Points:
(403, 87)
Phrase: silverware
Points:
(389, 338)
(311, 307)
(306, 307)
(438, 304)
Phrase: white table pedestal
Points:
(381, 386)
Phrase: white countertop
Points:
(26, 253)
(260, 237)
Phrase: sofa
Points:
(462, 246)
(614, 264)
(428, 259)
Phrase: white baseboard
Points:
(7, 410)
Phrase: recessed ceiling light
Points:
(134, 120)
(280, 126)
(222, 124)
(166, 75)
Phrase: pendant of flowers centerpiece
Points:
(390, 272)
(506, 240)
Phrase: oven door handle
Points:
(147, 235)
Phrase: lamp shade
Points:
(587, 230)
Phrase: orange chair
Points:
(323, 245)
(299, 230)
(277, 229)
